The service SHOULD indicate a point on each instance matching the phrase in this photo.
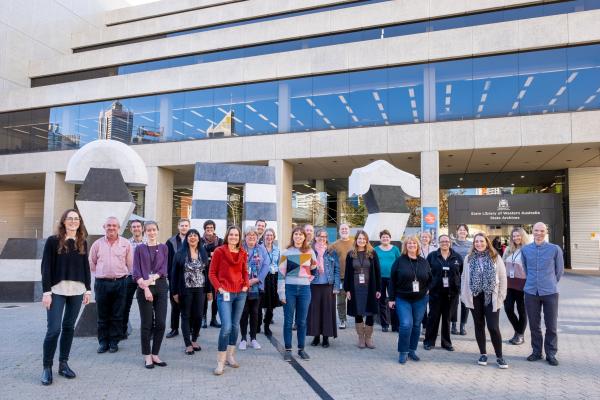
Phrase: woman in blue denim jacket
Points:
(324, 288)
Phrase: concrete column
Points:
(584, 203)
(283, 118)
(159, 200)
(430, 184)
(58, 196)
(284, 178)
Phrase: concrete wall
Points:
(584, 217)
(21, 214)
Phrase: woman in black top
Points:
(409, 281)
(189, 283)
(66, 284)
(446, 268)
(362, 284)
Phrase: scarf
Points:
(214, 239)
(320, 250)
(482, 273)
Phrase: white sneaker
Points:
(243, 345)
(255, 345)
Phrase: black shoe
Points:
(258, 329)
(552, 360)
(413, 356)
(501, 363)
(287, 356)
(303, 355)
(64, 370)
(214, 323)
(159, 364)
(463, 331)
(268, 331)
(394, 329)
(325, 342)
(113, 348)
(518, 340)
(449, 348)
(512, 340)
(148, 366)
(103, 348)
(316, 341)
(385, 329)
(453, 329)
(427, 346)
(47, 376)
(482, 360)
(173, 333)
(197, 348)
(534, 357)
(204, 324)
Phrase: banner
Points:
(430, 222)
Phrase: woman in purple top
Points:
(150, 272)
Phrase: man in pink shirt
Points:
(111, 260)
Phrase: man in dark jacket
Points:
(210, 241)
(174, 244)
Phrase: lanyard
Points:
(445, 265)
(514, 256)
(414, 268)
(361, 260)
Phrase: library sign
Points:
(504, 210)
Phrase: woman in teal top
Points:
(387, 253)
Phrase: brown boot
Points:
(221, 355)
(230, 359)
(369, 337)
(360, 330)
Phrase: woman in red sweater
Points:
(229, 277)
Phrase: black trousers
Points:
(369, 320)
(129, 293)
(464, 312)
(387, 317)
(549, 305)
(250, 314)
(175, 313)
(62, 315)
(440, 305)
(192, 303)
(483, 314)
(110, 302)
(518, 320)
(153, 315)
(213, 307)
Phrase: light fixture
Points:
(376, 96)
(310, 102)
(522, 176)
(249, 107)
(342, 99)
(528, 81)
(460, 179)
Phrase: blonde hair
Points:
(524, 239)
(413, 238)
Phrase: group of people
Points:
(246, 272)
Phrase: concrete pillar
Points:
(430, 188)
(584, 218)
(58, 196)
(159, 200)
(284, 178)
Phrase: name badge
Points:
(361, 278)
(445, 281)
(415, 286)
(446, 268)
(273, 268)
(153, 278)
(511, 273)
(226, 296)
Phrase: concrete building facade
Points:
(463, 94)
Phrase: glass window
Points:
(453, 89)
(145, 123)
(495, 85)
(260, 113)
(367, 98)
(542, 82)
(583, 79)
(301, 103)
(328, 111)
(405, 94)
(229, 103)
(199, 113)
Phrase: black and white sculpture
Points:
(384, 189)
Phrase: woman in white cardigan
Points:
(483, 289)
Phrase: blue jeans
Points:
(230, 313)
(297, 300)
(410, 315)
(61, 325)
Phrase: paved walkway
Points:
(342, 371)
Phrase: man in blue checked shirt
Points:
(544, 265)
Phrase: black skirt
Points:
(321, 312)
(270, 298)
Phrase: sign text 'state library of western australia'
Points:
(493, 104)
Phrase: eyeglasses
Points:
(322, 237)
(72, 219)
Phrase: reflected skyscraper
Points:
(116, 123)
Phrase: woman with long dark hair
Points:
(66, 284)
(323, 291)
(296, 267)
(483, 290)
(188, 287)
(462, 245)
(229, 276)
(150, 270)
(362, 284)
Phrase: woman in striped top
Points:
(515, 283)
(296, 267)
